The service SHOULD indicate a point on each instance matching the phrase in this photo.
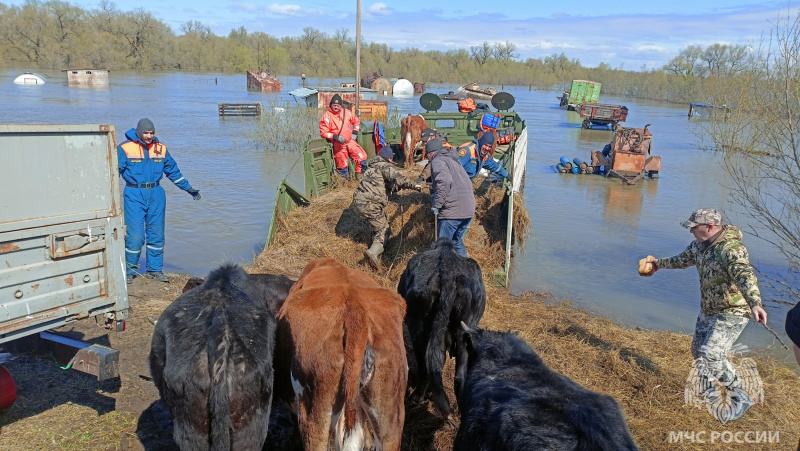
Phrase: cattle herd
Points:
(338, 347)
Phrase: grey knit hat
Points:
(386, 153)
(144, 125)
(433, 145)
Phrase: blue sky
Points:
(627, 33)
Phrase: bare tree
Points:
(505, 51)
(481, 53)
(761, 140)
(311, 37)
(198, 28)
(342, 37)
(687, 63)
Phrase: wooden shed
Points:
(261, 80)
(86, 77)
(372, 110)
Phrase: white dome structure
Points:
(29, 79)
(403, 88)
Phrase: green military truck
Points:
(581, 91)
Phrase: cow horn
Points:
(465, 327)
(152, 321)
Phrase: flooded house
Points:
(87, 77)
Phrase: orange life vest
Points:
(466, 105)
(505, 136)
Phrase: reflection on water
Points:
(589, 231)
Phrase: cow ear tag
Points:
(430, 101)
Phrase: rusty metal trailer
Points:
(62, 232)
(628, 156)
(603, 115)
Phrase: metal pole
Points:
(358, 53)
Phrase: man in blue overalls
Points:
(143, 160)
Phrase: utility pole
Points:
(358, 53)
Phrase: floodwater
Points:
(588, 231)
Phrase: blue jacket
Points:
(473, 163)
(138, 164)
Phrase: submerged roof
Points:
(303, 92)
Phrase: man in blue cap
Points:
(474, 156)
(143, 161)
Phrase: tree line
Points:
(58, 35)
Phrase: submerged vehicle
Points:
(474, 91)
(451, 96)
(602, 115)
(581, 91)
(628, 155)
(320, 174)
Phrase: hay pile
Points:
(645, 371)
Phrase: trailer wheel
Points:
(585, 124)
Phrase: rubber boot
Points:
(358, 176)
(373, 253)
(740, 402)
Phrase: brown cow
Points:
(411, 128)
(340, 359)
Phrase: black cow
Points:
(441, 290)
(211, 360)
(273, 289)
(512, 400)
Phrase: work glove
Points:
(194, 192)
(339, 138)
(435, 211)
(418, 187)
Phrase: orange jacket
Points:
(331, 124)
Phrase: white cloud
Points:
(546, 45)
(293, 10)
(380, 9)
(650, 48)
(251, 7)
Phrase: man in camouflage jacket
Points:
(729, 294)
(372, 195)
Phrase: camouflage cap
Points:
(428, 133)
(703, 216)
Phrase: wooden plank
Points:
(94, 359)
